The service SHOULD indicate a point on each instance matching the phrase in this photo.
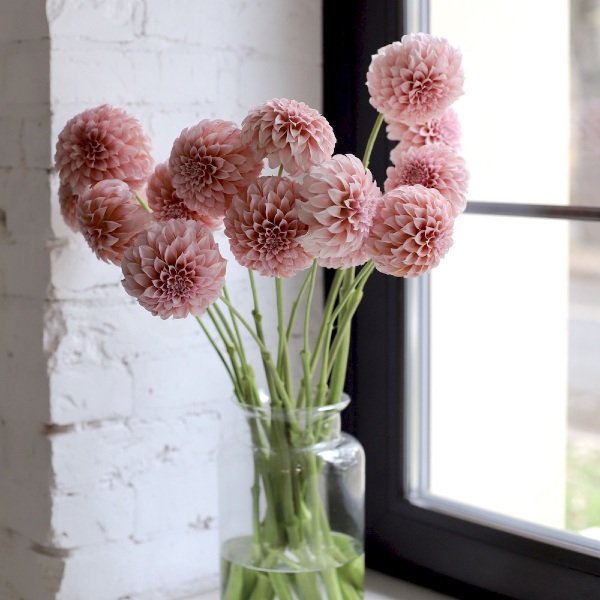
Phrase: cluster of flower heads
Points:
(157, 222)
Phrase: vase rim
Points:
(265, 407)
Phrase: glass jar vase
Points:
(291, 506)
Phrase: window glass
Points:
(513, 355)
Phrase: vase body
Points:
(291, 506)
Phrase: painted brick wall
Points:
(109, 417)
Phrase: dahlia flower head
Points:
(110, 217)
(210, 164)
(434, 166)
(174, 269)
(415, 80)
(445, 130)
(289, 133)
(338, 203)
(67, 201)
(264, 230)
(412, 231)
(103, 143)
(166, 204)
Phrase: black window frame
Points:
(445, 553)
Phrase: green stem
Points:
(283, 360)
(240, 342)
(306, 393)
(369, 148)
(143, 203)
(221, 356)
(266, 355)
(296, 305)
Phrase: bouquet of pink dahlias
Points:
(320, 210)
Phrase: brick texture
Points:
(110, 418)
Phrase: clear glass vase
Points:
(291, 490)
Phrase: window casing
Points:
(406, 536)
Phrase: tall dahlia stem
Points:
(266, 355)
(369, 148)
(307, 380)
(213, 343)
(240, 342)
(257, 316)
(283, 359)
(143, 203)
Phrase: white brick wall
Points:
(110, 418)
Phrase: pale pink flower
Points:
(110, 217)
(433, 166)
(415, 80)
(174, 269)
(210, 164)
(338, 207)
(264, 230)
(288, 133)
(103, 143)
(166, 204)
(445, 130)
(412, 231)
(68, 206)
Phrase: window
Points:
(427, 520)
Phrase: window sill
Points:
(379, 587)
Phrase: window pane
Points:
(514, 378)
(516, 111)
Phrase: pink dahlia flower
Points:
(412, 231)
(415, 80)
(174, 269)
(338, 207)
(110, 217)
(264, 230)
(445, 130)
(103, 143)
(166, 204)
(68, 206)
(434, 166)
(210, 164)
(288, 133)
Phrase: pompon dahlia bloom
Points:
(110, 217)
(434, 166)
(339, 200)
(166, 204)
(264, 230)
(288, 133)
(68, 206)
(445, 130)
(103, 143)
(210, 164)
(412, 231)
(415, 80)
(174, 269)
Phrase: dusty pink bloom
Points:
(415, 80)
(110, 217)
(103, 143)
(434, 166)
(166, 204)
(445, 130)
(354, 259)
(264, 230)
(288, 133)
(412, 231)
(210, 164)
(174, 269)
(338, 207)
(68, 206)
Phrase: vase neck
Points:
(297, 427)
